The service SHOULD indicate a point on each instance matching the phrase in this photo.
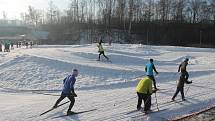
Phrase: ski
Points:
(171, 102)
(133, 111)
(54, 108)
(143, 112)
(158, 89)
(140, 115)
(109, 61)
(74, 113)
(104, 61)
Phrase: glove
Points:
(73, 94)
(154, 91)
(190, 82)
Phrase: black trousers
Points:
(103, 53)
(147, 101)
(187, 75)
(154, 82)
(69, 96)
(179, 89)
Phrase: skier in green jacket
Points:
(101, 51)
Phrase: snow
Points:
(31, 81)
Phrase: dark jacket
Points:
(183, 79)
(183, 66)
(69, 82)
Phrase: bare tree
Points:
(51, 12)
(147, 10)
(120, 10)
(130, 14)
(83, 5)
(34, 16)
(164, 6)
(205, 11)
(213, 9)
(4, 17)
(195, 6)
(178, 8)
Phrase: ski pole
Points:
(138, 76)
(156, 101)
(175, 75)
(187, 90)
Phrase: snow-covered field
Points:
(31, 81)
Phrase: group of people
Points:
(144, 87)
(25, 43)
(10, 46)
(6, 47)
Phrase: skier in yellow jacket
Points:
(101, 51)
(144, 92)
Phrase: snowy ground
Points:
(31, 80)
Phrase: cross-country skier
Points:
(101, 51)
(11, 45)
(68, 90)
(17, 44)
(149, 71)
(26, 44)
(183, 67)
(31, 44)
(144, 92)
(6, 47)
(180, 86)
(20, 44)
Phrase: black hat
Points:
(151, 60)
(186, 59)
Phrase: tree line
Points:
(179, 22)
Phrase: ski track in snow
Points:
(31, 81)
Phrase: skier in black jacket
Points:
(183, 67)
(180, 87)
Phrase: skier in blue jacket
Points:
(149, 71)
(68, 90)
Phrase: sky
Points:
(13, 8)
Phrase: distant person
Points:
(68, 90)
(144, 92)
(17, 44)
(20, 44)
(101, 51)
(31, 44)
(6, 47)
(149, 71)
(180, 87)
(11, 45)
(26, 44)
(183, 67)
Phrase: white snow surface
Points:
(31, 82)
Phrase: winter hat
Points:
(75, 71)
(151, 60)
